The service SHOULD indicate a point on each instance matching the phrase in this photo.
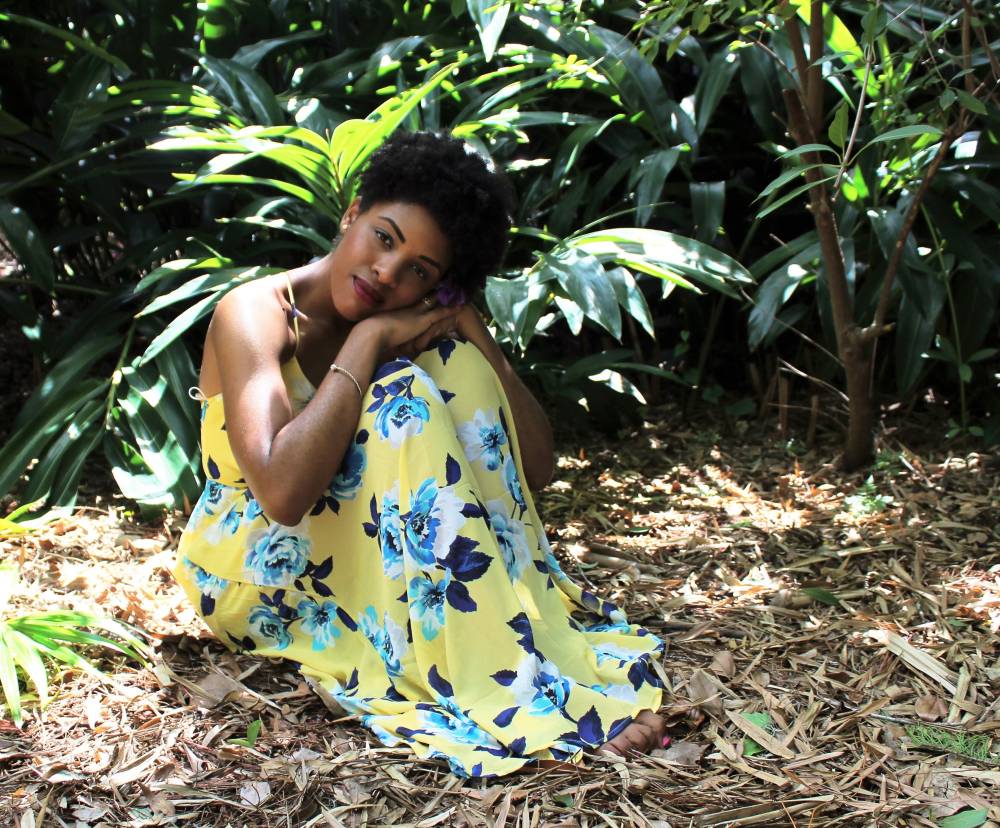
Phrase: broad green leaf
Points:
(679, 260)
(224, 278)
(26, 657)
(71, 446)
(180, 325)
(652, 172)
(824, 596)
(970, 102)
(712, 85)
(8, 677)
(838, 127)
(965, 819)
(773, 293)
(582, 277)
(30, 442)
(905, 132)
(630, 297)
(25, 239)
(490, 17)
(252, 54)
(83, 43)
(708, 202)
(764, 720)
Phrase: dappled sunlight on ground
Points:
(832, 658)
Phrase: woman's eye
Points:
(383, 237)
(421, 272)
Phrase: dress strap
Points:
(196, 394)
(295, 311)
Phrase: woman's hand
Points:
(409, 331)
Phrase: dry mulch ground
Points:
(832, 659)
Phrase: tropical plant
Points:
(281, 169)
(28, 641)
(889, 108)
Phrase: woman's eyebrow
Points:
(402, 238)
(395, 227)
(432, 261)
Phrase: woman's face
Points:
(390, 256)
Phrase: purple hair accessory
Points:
(450, 295)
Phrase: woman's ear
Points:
(350, 214)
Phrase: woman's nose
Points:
(386, 272)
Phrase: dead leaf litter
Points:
(832, 659)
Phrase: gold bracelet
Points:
(338, 370)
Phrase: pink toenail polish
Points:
(666, 741)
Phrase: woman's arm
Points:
(534, 433)
(288, 460)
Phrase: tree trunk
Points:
(859, 444)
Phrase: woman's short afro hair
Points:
(470, 200)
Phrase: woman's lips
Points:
(366, 292)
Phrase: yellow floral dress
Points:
(420, 591)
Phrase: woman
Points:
(417, 587)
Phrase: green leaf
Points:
(708, 202)
(790, 175)
(8, 678)
(796, 151)
(582, 277)
(970, 102)
(25, 239)
(965, 819)
(761, 719)
(490, 17)
(905, 132)
(824, 596)
(652, 172)
(631, 297)
(712, 85)
(838, 127)
(85, 44)
(678, 260)
(781, 202)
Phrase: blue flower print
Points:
(513, 482)
(447, 719)
(211, 496)
(511, 538)
(210, 585)
(231, 521)
(390, 535)
(346, 484)
(540, 687)
(606, 651)
(427, 603)
(320, 621)
(401, 417)
(266, 624)
(252, 511)
(622, 692)
(551, 562)
(277, 556)
(432, 523)
(483, 438)
(388, 639)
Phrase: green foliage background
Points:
(155, 154)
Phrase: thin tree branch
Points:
(878, 327)
(869, 58)
(985, 43)
(815, 93)
(799, 53)
(970, 81)
(826, 224)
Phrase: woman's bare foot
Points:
(644, 734)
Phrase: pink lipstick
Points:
(366, 292)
